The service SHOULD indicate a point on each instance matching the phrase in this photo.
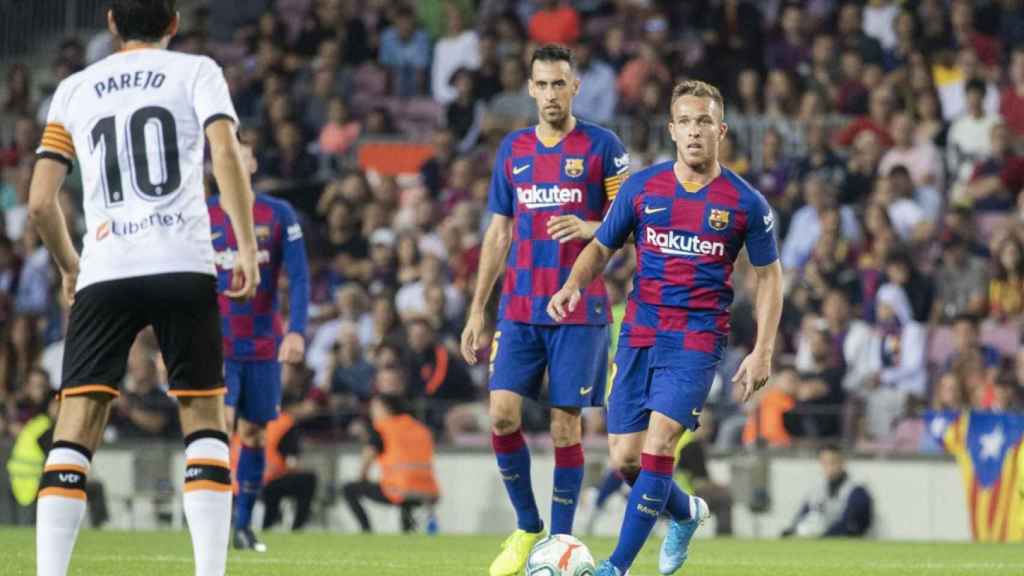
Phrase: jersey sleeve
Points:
(620, 221)
(294, 256)
(500, 196)
(56, 142)
(211, 98)
(760, 236)
(615, 160)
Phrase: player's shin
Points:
(566, 491)
(646, 502)
(61, 506)
(208, 499)
(514, 465)
(251, 465)
(678, 503)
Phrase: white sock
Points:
(61, 507)
(208, 500)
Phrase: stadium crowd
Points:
(888, 137)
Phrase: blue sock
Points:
(568, 481)
(251, 462)
(646, 502)
(514, 465)
(610, 484)
(678, 504)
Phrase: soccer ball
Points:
(560, 555)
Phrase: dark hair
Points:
(830, 447)
(146, 20)
(553, 53)
(1001, 272)
(971, 319)
(975, 85)
(394, 404)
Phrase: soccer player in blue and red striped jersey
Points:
(690, 219)
(255, 341)
(552, 183)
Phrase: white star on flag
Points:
(992, 443)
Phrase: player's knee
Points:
(503, 424)
(252, 435)
(565, 431)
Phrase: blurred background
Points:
(887, 136)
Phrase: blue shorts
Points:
(576, 357)
(641, 384)
(254, 389)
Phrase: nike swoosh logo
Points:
(216, 235)
(649, 210)
(695, 412)
(585, 391)
(647, 498)
(519, 169)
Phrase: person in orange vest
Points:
(282, 477)
(403, 449)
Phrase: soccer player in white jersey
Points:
(136, 122)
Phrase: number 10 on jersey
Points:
(137, 146)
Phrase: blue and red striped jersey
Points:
(532, 183)
(686, 244)
(252, 330)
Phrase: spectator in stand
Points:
(921, 159)
(457, 49)
(465, 113)
(405, 52)
(899, 346)
(880, 103)
(969, 138)
(556, 22)
(144, 410)
(789, 50)
(18, 101)
(962, 281)
(1011, 101)
(851, 34)
(805, 229)
(930, 126)
(1006, 288)
(441, 377)
(968, 347)
(880, 22)
(341, 131)
(594, 101)
(997, 180)
(512, 107)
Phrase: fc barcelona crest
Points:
(574, 167)
(718, 219)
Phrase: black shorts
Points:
(107, 316)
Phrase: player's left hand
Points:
(753, 373)
(293, 349)
(569, 227)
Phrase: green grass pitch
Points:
(313, 554)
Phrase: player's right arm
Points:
(497, 242)
(237, 200)
(46, 215)
(55, 153)
(493, 253)
(618, 224)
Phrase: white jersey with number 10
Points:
(135, 120)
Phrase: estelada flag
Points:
(987, 446)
